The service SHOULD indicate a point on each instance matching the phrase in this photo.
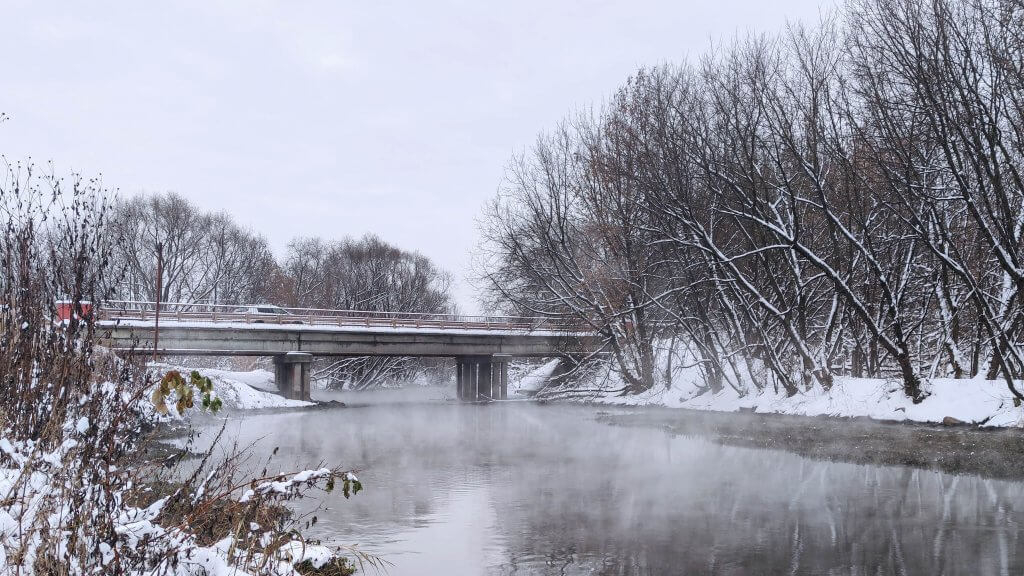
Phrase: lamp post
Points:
(159, 290)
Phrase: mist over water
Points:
(519, 488)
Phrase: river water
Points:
(520, 488)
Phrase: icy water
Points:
(518, 488)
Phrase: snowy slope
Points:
(529, 380)
(251, 390)
(984, 402)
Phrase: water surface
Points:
(518, 488)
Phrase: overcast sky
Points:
(332, 118)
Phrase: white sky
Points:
(332, 118)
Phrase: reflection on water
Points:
(524, 489)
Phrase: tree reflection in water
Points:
(522, 489)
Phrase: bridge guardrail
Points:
(113, 310)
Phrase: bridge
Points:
(481, 345)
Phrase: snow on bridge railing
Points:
(113, 310)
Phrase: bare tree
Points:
(366, 274)
(143, 222)
(568, 238)
(845, 199)
(208, 258)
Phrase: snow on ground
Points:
(241, 396)
(259, 378)
(37, 505)
(251, 390)
(531, 379)
(985, 402)
(973, 401)
(45, 491)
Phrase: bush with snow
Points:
(81, 489)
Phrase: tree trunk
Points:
(911, 382)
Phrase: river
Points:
(521, 488)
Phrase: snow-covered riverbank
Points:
(981, 402)
(253, 390)
(244, 390)
(138, 523)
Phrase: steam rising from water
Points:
(525, 489)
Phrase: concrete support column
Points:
(482, 378)
(291, 373)
(467, 372)
(499, 376)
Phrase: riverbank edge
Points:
(988, 452)
(169, 444)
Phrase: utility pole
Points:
(159, 290)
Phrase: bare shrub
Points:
(75, 496)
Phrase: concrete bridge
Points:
(481, 345)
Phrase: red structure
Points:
(65, 308)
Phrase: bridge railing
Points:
(113, 310)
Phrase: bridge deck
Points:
(376, 328)
(123, 311)
(186, 331)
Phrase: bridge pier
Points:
(291, 373)
(481, 378)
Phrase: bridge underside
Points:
(478, 378)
